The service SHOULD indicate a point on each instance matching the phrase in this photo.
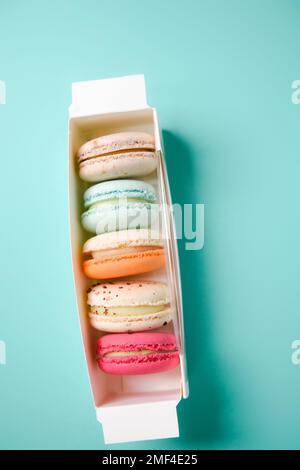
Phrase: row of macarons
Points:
(120, 212)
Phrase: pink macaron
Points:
(137, 353)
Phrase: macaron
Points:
(137, 353)
(128, 306)
(119, 205)
(123, 253)
(119, 155)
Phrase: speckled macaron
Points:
(128, 306)
(118, 155)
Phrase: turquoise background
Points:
(220, 74)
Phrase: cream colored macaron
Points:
(119, 155)
(128, 306)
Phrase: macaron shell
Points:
(118, 189)
(116, 142)
(124, 265)
(123, 165)
(121, 239)
(128, 293)
(132, 323)
(122, 216)
(137, 341)
(138, 364)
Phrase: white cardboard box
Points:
(130, 408)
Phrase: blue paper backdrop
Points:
(220, 74)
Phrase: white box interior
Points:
(110, 390)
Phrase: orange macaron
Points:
(123, 253)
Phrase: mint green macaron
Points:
(119, 205)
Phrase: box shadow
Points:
(199, 415)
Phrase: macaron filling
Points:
(117, 205)
(142, 352)
(87, 156)
(128, 311)
(118, 196)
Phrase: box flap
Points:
(138, 422)
(173, 266)
(108, 96)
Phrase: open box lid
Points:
(154, 419)
(139, 421)
(108, 96)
